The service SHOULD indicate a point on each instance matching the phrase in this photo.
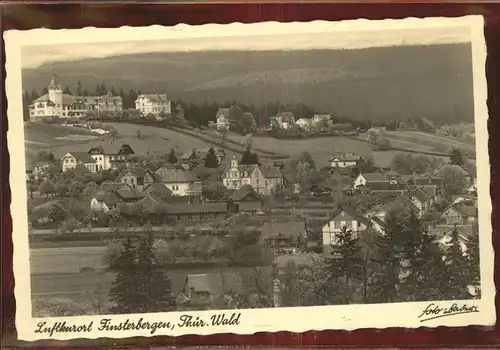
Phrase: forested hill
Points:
(384, 83)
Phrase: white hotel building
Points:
(58, 104)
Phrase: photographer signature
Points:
(433, 311)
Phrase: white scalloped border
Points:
(257, 320)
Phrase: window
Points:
(336, 224)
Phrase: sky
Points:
(34, 56)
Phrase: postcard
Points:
(244, 178)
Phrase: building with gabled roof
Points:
(265, 179)
(366, 179)
(179, 181)
(58, 104)
(155, 104)
(344, 218)
(72, 159)
(136, 178)
(421, 199)
(203, 290)
(460, 214)
(344, 160)
(111, 155)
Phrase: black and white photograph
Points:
(246, 177)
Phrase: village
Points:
(291, 209)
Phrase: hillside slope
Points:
(395, 82)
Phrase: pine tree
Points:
(387, 262)
(347, 261)
(125, 293)
(141, 286)
(172, 158)
(473, 266)
(425, 270)
(211, 161)
(249, 158)
(456, 261)
(457, 157)
(79, 91)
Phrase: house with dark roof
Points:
(366, 179)
(246, 200)
(110, 156)
(284, 120)
(202, 291)
(201, 212)
(264, 178)
(284, 237)
(421, 199)
(200, 154)
(158, 190)
(344, 160)
(136, 178)
(179, 181)
(460, 214)
(104, 201)
(155, 104)
(344, 218)
(72, 159)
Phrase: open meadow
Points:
(422, 141)
(152, 139)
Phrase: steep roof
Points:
(420, 195)
(345, 157)
(158, 190)
(243, 193)
(109, 198)
(374, 177)
(222, 112)
(54, 82)
(465, 210)
(128, 193)
(430, 190)
(214, 283)
(154, 97)
(82, 169)
(174, 175)
(43, 98)
(349, 214)
(83, 157)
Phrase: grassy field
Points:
(65, 259)
(155, 140)
(422, 141)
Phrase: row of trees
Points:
(405, 264)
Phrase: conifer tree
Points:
(172, 158)
(473, 255)
(456, 261)
(141, 285)
(124, 293)
(387, 262)
(211, 161)
(346, 262)
(154, 286)
(425, 271)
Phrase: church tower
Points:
(55, 94)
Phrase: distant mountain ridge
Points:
(432, 81)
